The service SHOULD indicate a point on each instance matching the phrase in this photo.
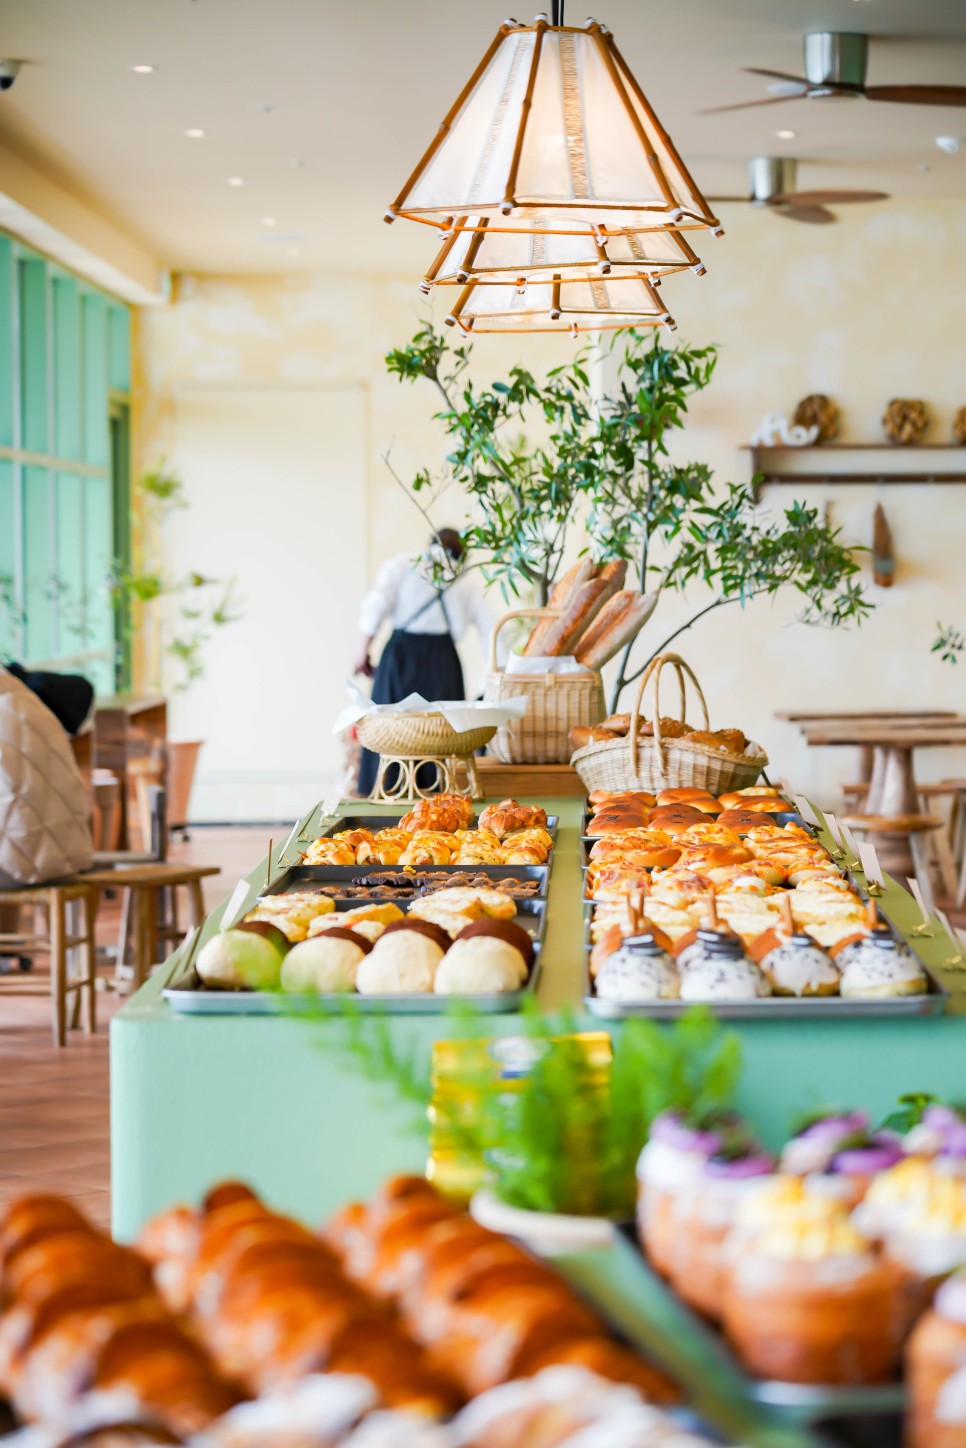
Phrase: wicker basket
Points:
(655, 763)
(556, 703)
(419, 734)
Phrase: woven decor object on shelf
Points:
(556, 703)
(959, 427)
(817, 410)
(419, 734)
(905, 420)
(654, 762)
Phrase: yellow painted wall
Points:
(865, 310)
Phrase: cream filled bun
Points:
(794, 964)
(480, 965)
(878, 965)
(403, 961)
(325, 963)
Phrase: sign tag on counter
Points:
(926, 927)
(870, 865)
(236, 903)
(851, 843)
(834, 828)
(806, 811)
(786, 789)
(330, 805)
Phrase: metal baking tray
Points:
(776, 1008)
(385, 822)
(187, 995)
(783, 818)
(307, 877)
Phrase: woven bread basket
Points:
(419, 734)
(556, 703)
(652, 762)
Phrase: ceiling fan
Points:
(771, 181)
(835, 65)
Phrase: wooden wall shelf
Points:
(947, 463)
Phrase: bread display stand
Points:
(408, 742)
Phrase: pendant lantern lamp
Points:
(559, 305)
(473, 252)
(553, 135)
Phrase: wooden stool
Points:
(147, 883)
(950, 843)
(904, 844)
(60, 901)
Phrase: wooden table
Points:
(888, 743)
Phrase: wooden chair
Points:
(62, 901)
(146, 884)
(912, 830)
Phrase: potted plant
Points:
(601, 475)
(549, 1139)
(172, 615)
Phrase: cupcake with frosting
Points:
(807, 1299)
(668, 1171)
(936, 1371)
(842, 1153)
(707, 1215)
(927, 1241)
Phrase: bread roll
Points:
(584, 734)
(619, 723)
(618, 622)
(563, 633)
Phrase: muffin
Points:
(639, 970)
(879, 966)
(927, 1241)
(808, 1300)
(936, 1372)
(700, 1261)
(326, 963)
(817, 1140)
(668, 1169)
(403, 961)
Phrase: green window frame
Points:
(65, 378)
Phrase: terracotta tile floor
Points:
(54, 1104)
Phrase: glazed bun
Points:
(699, 799)
(623, 796)
(711, 857)
(505, 930)
(422, 927)
(740, 820)
(611, 821)
(708, 834)
(670, 728)
(768, 804)
(676, 820)
(736, 798)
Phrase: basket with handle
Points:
(419, 734)
(650, 760)
(556, 703)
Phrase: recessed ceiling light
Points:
(268, 220)
(785, 135)
(144, 69)
(195, 133)
(236, 180)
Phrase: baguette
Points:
(583, 608)
(617, 623)
(561, 595)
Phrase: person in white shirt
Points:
(429, 616)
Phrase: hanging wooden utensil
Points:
(883, 553)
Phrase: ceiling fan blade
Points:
(747, 105)
(828, 198)
(814, 215)
(918, 95)
(776, 75)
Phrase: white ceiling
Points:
(354, 91)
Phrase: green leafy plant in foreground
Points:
(557, 1138)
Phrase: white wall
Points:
(868, 309)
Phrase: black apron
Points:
(413, 663)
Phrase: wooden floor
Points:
(54, 1104)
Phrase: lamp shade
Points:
(552, 132)
(559, 305)
(473, 251)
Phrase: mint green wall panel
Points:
(7, 360)
(96, 440)
(9, 626)
(67, 370)
(98, 555)
(119, 348)
(32, 278)
(37, 563)
(70, 583)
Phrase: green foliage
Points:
(607, 460)
(949, 643)
(908, 1111)
(558, 1138)
(183, 608)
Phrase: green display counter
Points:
(271, 1099)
